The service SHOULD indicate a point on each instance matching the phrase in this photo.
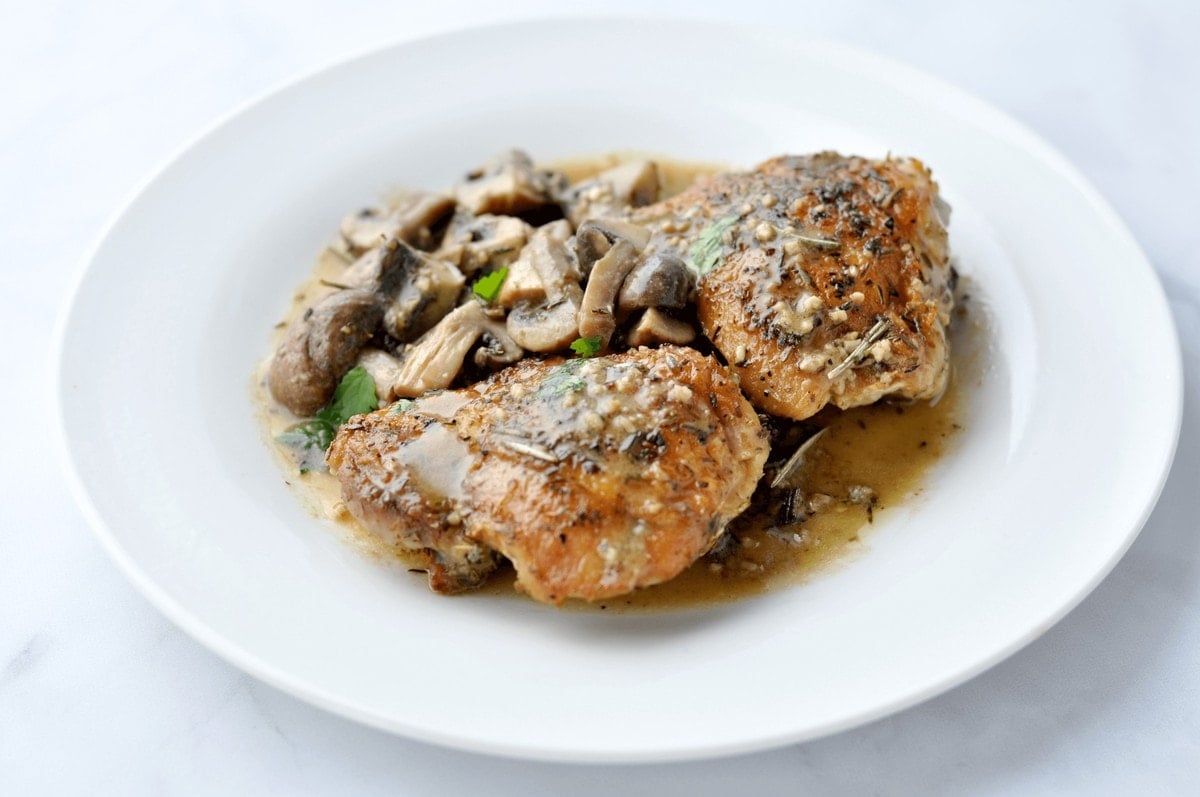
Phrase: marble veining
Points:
(25, 659)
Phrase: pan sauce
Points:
(886, 447)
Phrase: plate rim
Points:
(884, 68)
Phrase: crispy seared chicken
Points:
(594, 477)
(826, 279)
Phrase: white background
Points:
(100, 694)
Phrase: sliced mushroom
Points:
(367, 228)
(434, 360)
(547, 325)
(382, 269)
(412, 219)
(430, 291)
(560, 230)
(496, 346)
(383, 368)
(475, 243)
(320, 347)
(366, 272)
(522, 282)
(547, 320)
(553, 264)
(596, 314)
(420, 216)
(595, 237)
(636, 182)
(656, 327)
(508, 185)
(544, 268)
(418, 289)
(612, 191)
(662, 279)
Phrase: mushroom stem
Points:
(549, 322)
(596, 236)
(434, 361)
(596, 313)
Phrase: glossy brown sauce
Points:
(887, 448)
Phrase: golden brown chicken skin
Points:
(402, 475)
(825, 279)
(594, 477)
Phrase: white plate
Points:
(1070, 431)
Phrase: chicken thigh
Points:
(823, 278)
(593, 476)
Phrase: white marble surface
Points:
(100, 694)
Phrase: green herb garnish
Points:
(706, 251)
(401, 406)
(562, 379)
(587, 347)
(354, 395)
(487, 287)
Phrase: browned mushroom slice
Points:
(553, 262)
(547, 325)
(636, 183)
(662, 279)
(596, 236)
(418, 289)
(430, 292)
(524, 281)
(655, 327)
(508, 185)
(412, 219)
(476, 243)
(320, 347)
(367, 228)
(383, 269)
(496, 347)
(549, 321)
(596, 314)
(632, 184)
(367, 270)
(434, 360)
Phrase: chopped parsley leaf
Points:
(401, 406)
(587, 347)
(487, 287)
(354, 395)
